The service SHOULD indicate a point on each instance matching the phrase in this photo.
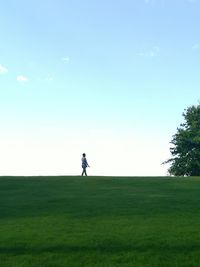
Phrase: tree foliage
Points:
(186, 145)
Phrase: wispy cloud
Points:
(3, 70)
(195, 46)
(65, 59)
(152, 1)
(159, 2)
(22, 79)
(49, 79)
(153, 52)
(162, 2)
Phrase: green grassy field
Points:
(99, 221)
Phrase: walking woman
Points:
(84, 164)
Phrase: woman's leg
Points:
(84, 172)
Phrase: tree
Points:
(186, 145)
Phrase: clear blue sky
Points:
(108, 78)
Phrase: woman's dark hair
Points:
(83, 154)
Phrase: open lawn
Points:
(99, 221)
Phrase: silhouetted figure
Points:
(84, 164)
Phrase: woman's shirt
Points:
(84, 163)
